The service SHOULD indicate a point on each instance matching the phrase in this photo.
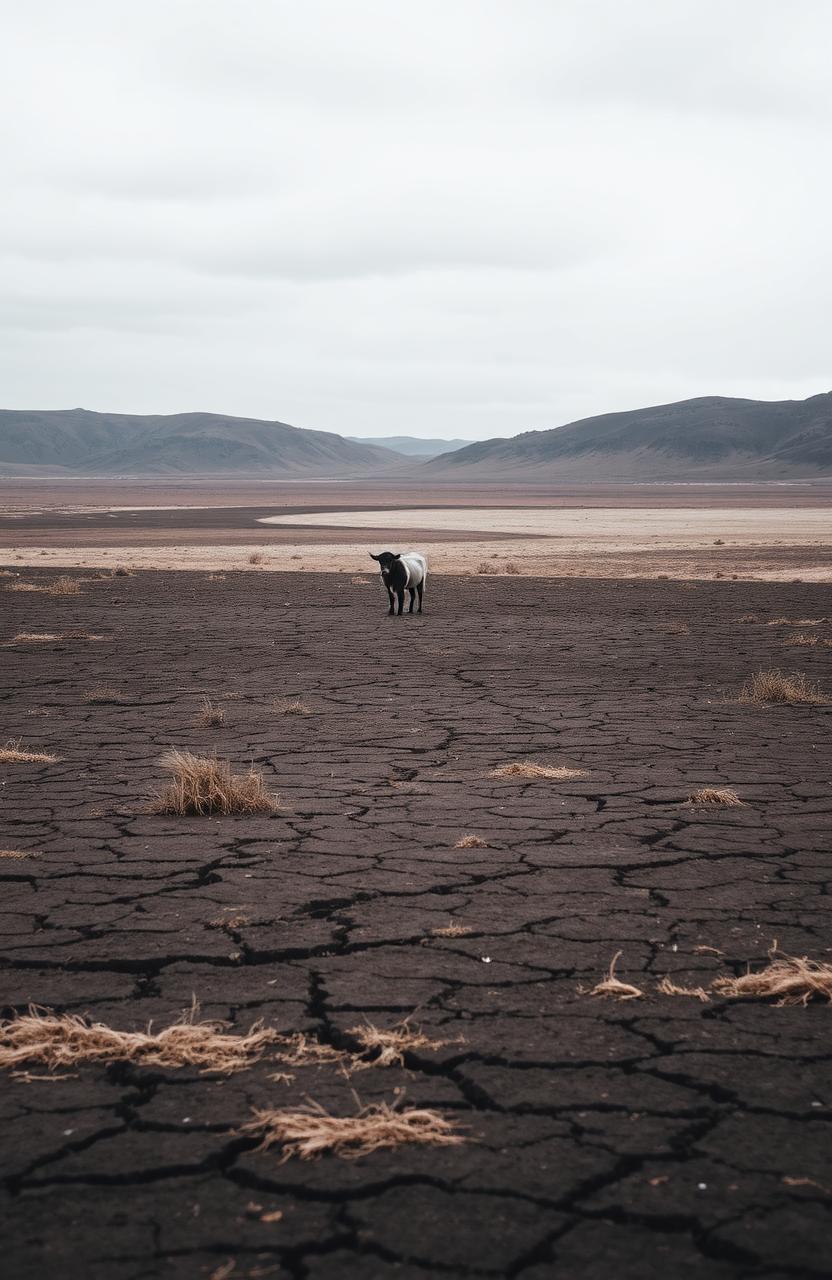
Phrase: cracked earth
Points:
(653, 1137)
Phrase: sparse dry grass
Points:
(42, 1037)
(255, 558)
(389, 1046)
(64, 586)
(748, 618)
(211, 716)
(309, 1131)
(452, 930)
(15, 853)
(234, 920)
(484, 567)
(668, 987)
(795, 622)
(781, 687)
(291, 707)
(45, 637)
(206, 784)
(674, 628)
(529, 771)
(471, 842)
(512, 567)
(803, 639)
(614, 987)
(360, 582)
(13, 753)
(791, 979)
(121, 572)
(301, 1050)
(104, 695)
(715, 796)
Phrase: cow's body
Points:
(402, 571)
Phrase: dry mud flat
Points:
(658, 1136)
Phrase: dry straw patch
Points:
(791, 979)
(781, 687)
(512, 567)
(206, 784)
(613, 986)
(211, 716)
(804, 639)
(63, 586)
(16, 853)
(291, 707)
(255, 558)
(674, 628)
(748, 618)
(452, 930)
(392, 1044)
(529, 771)
(796, 622)
(309, 1131)
(43, 1038)
(471, 842)
(103, 695)
(45, 637)
(13, 753)
(668, 987)
(715, 796)
(300, 1050)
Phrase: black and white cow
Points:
(402, 571)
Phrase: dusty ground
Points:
(661, 1137)
(775, 532)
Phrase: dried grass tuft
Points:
(512, 567)
(389, 1046)
(300, 1050)
(796, 622)
(64, 586)
(291, 707)
(255, 558)
(452, 930)
(104, 695)
(206, 784)
(803, 639)
(674, 628)
(669, 988)
(16, 853)
(13, 753)
(783, 688)
(748, 617)
(484, 567)
(65, 1040)
(310, 1131)
(526, 769)
(715, 796)
(471, 842)
(211, 716)
(612, 986)
(44, 637)
(791, 979)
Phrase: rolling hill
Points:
(412, 446)
(711, 439)
(80, 442)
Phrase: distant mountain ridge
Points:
(710, 438)
(81, 442)
(413, 446)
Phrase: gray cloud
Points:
(465, 218)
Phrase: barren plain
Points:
(400, 879)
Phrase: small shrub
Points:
(780, 687)
(255, 558)
(291, 707)
(512, 567)
(484, 567)
(205, 784)
(64, 586)
(121, 572)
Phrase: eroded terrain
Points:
(658, 1136)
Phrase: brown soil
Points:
(636, 1137)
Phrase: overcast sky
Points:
(435, 218)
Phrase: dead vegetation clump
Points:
(748, 618)
(211, 716)
(42, 1037)
(529, 771)
(389, 1046)
(613, 986)
(668, 987)
(512, 567)
(795, 622)
(206, 784)
(13, 753)
(255, 558)
(291, 707)
(44, 637)
(781, 687)
(120, 572)
(484, 567)
(301, 1050)
(471, 842)
(805, 640)
(715, 796)
(452, 930)
(674, 628)
(104, 695)
(64, 586)
(310, 1131)
(790, 979)
(16, 853)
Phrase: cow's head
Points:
(386, 560)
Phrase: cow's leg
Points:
(412, 591)
(400, 594)
(392, 608)
(420, 589)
